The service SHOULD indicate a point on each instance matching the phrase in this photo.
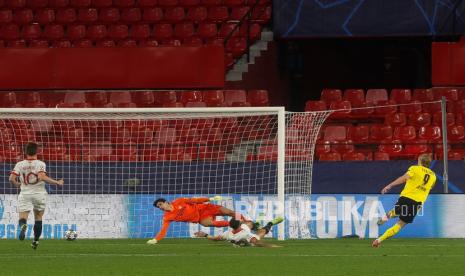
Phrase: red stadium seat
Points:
(197, 14)
(331, 156)
(54, 32)
(189, 3)
(380, 156)
(376, 95)
(238, 13)
(174, 14)
(15, 3)
(124, 3)
(184, 30)
(171, 42)
(218, 13)
(437, 119)
(343, 109)
(233, 3)
(163, 31)
(396, 119)
(233, 96)
(102, 3)
(456, 133)
(109, 15)
(237, 46)
(460, 118)
(151, 42)
(331, 95)
(35, 4)
(430, 133)
(58, 3)
(253, 30)
(131, 15)
(423, 95)
(97, 99)
(165, 136)
(405, 133)
(39, 43)
(87, 15)
(96, 32)
(152, 15)
(413, 149)
(451, 94)
(192, 41)
(23, 16)
(143, 98)
(168, 3)
(9, 31)
(211, 2)
(105, 43)
(6, 16)
(207, 30)
(32, 31)
(391, 147)
(353, 156)
(213, 98)
(315, 106)
(17, 43)
(44, 16)
(419, 119)
(258, 97)
(120, 98)
(261, 14)
(65, 16)
(335, 133)
(359, 134)
(229, 29)
(431, 107)
(140, 31)
(162, 97)
(401, 96)
(362, 110)
(83, 43)
(147, 3)
(413, 107)
(190, 96)
(127, 153)
(75, 97)
(354, 96)
(384, 108)
(80, 3)
(118, 31)
(380, 132)
(175, 104)
(76, 32)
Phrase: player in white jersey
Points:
(32, 177)
(241, 233)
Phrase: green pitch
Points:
(201, 257)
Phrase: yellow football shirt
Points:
(420, 183)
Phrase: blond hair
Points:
(425, 159)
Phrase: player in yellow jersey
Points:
(419, 181)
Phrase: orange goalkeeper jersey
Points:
(185, 210)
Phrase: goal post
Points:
(115, 162)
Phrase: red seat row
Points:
(381, 156)
(34, 4)
(149, 15)
(208, 98)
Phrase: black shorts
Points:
(407, 209)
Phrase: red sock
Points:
(220, 223)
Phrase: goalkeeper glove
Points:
(216, 198)
(152, 241)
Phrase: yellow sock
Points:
(390, 232)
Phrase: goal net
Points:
(116, 162)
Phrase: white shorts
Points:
(244, 236)
(32, 201)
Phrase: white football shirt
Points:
(28, 171)
(244, 234)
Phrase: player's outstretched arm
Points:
(398, 181)
(43, 177)
(161, 234)
(204, 199)
(201, 234)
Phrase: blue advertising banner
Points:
(340, 18)
(318, 216)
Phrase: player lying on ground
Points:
(241, 233)
(419, 181)
(194, 210)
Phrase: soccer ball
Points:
(70, 235)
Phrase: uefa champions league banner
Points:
(318, 216)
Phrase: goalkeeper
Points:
(194, 210)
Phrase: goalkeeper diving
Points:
(241, 234)
(194, 210)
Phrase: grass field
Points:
(201, 257)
